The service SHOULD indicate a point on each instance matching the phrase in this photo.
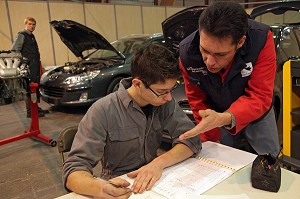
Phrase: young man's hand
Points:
(145, 177)
(82, 182)
(115, 188)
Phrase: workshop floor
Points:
(30, 168)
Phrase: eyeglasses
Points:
(163, 94)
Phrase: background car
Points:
(98, 73)
(286, 38)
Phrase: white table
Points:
(239, 183)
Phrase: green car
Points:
(95, 75)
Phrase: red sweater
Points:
(247, 108)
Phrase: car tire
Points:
(114, 85)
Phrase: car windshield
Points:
(289, 44)
(278, 18)
(286, 33)
(124, 45)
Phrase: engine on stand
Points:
(14, 76)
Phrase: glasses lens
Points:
(160, 95)
(171, 91)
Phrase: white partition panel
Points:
(62, 11)
(129, 20)
(5, 34)
(173, 10)
(101, 18)
(152, 19)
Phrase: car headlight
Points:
(44, 75)
(81, 77)
(48, 69)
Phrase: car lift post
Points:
(290, 156)
(34, 131)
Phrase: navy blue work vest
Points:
(30, 47)
(222, 95)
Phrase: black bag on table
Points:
(266, 173)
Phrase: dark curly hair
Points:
(154, 63)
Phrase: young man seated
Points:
(125, 129)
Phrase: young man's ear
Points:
(136, 82)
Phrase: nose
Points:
(168, 96)
(210, 60)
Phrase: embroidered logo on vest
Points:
(197, 70)
(247, 70)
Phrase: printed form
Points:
(194, 176)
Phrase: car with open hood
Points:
(96, 74)
(286, 36)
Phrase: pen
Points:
(115, 185)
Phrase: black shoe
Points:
(41, 114)
(42, 110)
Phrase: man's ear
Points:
(241, 42)
(136, 82)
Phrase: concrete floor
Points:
(30, 168)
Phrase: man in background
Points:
(25, 43)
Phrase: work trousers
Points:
(260, 137)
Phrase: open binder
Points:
(194, 176)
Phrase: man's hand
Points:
(83, 182)
(146, 177)
(210, 120)
(115, 188)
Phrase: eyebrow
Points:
(215, 52)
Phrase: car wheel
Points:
(114, 85)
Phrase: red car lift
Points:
(34, 131)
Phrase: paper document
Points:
(194, 176)
(225, 155)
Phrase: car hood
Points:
(180, 25)
(275, 8)
(79, 38)
(183, 23)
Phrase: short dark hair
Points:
(223, 19)
(154, 63)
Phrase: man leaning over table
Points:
(125, 129)
(229, 67)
